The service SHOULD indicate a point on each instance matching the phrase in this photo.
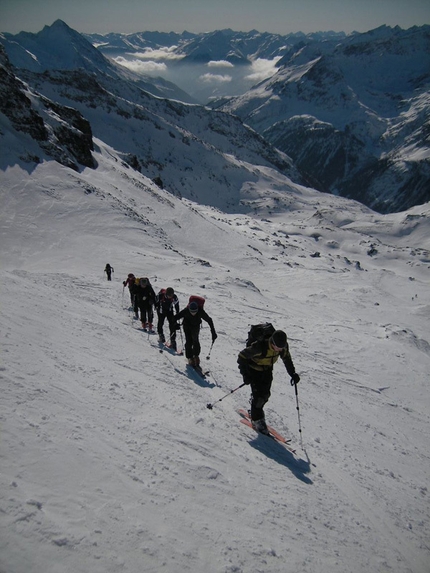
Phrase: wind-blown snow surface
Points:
(110, 459)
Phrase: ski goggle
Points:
(276, 348)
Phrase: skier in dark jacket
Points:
(192, 316)
(109, 270)
(167, 304)
(131, 283)
(256, 366)
(145, 300)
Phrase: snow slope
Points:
(110, 459)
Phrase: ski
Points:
(163, 346)
(147, 330)
(199, 371)
(274, 434)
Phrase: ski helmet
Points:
(279, 339)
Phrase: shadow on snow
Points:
(203, 382)
(277, 452)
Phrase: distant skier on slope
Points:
(192, 316)
(109, 270)
(256, 366)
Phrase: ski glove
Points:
(295, 379)
(214, 336)
(244, 370)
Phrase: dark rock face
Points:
(61, 132)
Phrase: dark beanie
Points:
(279, 338)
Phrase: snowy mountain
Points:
(206, 65)
(54, 130)
(59, 47)
(192, 151)
(353, 114)
(111, 460)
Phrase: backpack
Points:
(260, 332)
(198, 299)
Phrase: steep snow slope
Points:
(111, 460)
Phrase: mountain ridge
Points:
(327, 108)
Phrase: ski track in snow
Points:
(112, 462)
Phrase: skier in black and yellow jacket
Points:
(256, 366)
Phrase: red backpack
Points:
(198, 299)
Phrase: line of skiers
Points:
(166, 303)
(264, 345)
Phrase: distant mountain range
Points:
(206, 65)
(190, 150)
(354, 114)
(59, 47)
(348, 114)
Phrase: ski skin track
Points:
(344, 484)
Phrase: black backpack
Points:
(260, 332)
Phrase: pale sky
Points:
(277, 16)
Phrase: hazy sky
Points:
(278, 16)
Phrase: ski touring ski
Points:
(148, 330)
(274, 434)
(198, 369)
(163, 346)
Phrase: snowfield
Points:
(110, 459)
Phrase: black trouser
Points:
(131, 296)
(261, 383)
(146, 312)
(192, 344)
(172, 326)
(108, 275)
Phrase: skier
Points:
(256, 366)
(145, 299)
(131, 283)
(167, 304)
(192, 316)
(109, 270)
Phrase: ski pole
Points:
(298, 411)
(210, 350)
(210, 406)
